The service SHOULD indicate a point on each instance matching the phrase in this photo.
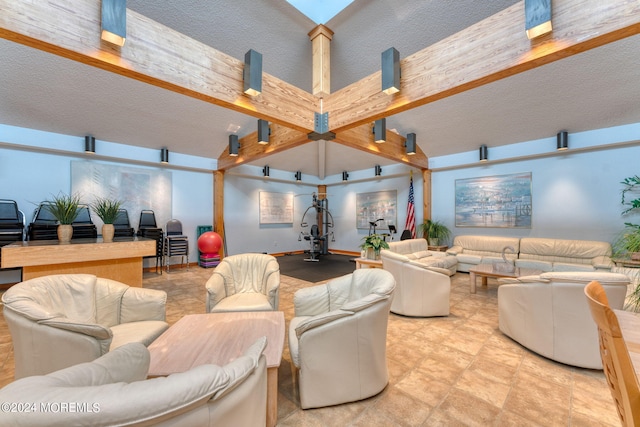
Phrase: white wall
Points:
(575, 195)
(29, 177)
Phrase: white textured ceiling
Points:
(595, 89)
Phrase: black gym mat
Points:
(327, 266)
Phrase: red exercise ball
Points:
(209, 242)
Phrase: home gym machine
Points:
(319, 232)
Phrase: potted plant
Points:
(64, 208)
(107, 211)
(435, 232)
(372, 245)
(628, 243)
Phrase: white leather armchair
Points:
(245, 282)
(113, 390)
(338, 336)
(549, 314)
(61, 320)
(421, 290)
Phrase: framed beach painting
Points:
(501, 201)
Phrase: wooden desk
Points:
(120, 260)
(219, 338)
(439, 248)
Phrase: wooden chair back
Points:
(618, 370)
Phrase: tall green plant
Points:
(435, 230)
(106, 209)
(64, 207)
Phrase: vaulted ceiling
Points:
(593, 89)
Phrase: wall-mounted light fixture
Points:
(537, 18)
(378, 170)
(252, 73)
(114, 21)
(390, 71)
(484, 153)
(264, 131)
(89, 144)
(380, 130)
(563, 140)
(164, 155)
(345, 176)
(234, 145)
(410, 144)
(265, 171)
(298, 176)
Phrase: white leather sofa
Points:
(244, 282)
(61, 320)
(415, 252)
(113, 391)
(549, 314)
(564, 255)
(338, 337)
(473, 250)
(422, 288)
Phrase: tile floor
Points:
(452, 371)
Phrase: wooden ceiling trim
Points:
(493, 49)
(361, 138)
(154, 54)
(282, 138)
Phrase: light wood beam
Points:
(282, 138)
(321, 51)
(361, 138)
(493, 49)
(218, 207)
(153, 54)
(426, 194)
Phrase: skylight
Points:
(320, 11)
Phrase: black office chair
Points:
(148, 228)
(121, 225)
(11, 223)
(315, 242)
(406, 234)
(175, 243)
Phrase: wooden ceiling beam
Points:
(154, 54)
(492, 49)
(282, 138)
(361, 138)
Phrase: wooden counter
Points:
(120, 260)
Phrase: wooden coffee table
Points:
(487, 270)
(219, 338)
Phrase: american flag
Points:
(411, 214)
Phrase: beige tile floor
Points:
(452, 371)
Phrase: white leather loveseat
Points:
(415, 252)
(564, 255)
(473, 250)
(113, 391)
(61, 320)
(423, 285)
(549, 314)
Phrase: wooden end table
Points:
(486, 270)
(219, 338)
(368, 263)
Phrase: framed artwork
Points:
(276, 208)
(137, 188)
(377, 205)
(494, 201)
